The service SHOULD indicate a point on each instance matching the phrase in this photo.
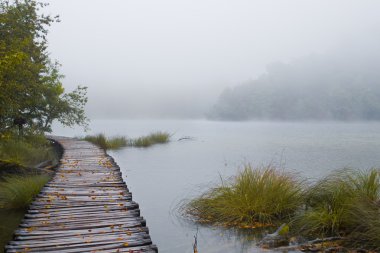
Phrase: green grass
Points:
(151, 139)
(17, 192)
(365, 225)
(107, 143)
(118, 142)
(345, 203)
(27, 151)
(255, 197)
(333, 201)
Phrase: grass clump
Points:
(17, 192)
(340, 204)
(119, 142)
(107, 143)
(254, 198)
(365, 225)
(27, 151)
(344, 204)
(151, 139)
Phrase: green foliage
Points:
(107, 143)
(151, 139)
(255, 197)
(332, 201)
(17, 192)
(27, 151)
(30, 82)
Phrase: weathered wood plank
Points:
(86, 207)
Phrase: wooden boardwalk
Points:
(86, 207)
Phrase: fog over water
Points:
(172, 58)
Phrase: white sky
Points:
(172, 58)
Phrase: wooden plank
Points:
(86, 207)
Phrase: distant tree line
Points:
(31, 92)
(341, 86)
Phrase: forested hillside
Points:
(344, 85)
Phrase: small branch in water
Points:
(186, 138)
(195, 245)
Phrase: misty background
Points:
(174, 59)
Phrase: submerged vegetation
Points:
(119, 142)
(344, 204)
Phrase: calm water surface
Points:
(162, 176)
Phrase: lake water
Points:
(160, 177)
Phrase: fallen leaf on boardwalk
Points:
(125, 244)
(129, 233)
(30, 229)
(119, 239)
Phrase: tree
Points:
(30, 83)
